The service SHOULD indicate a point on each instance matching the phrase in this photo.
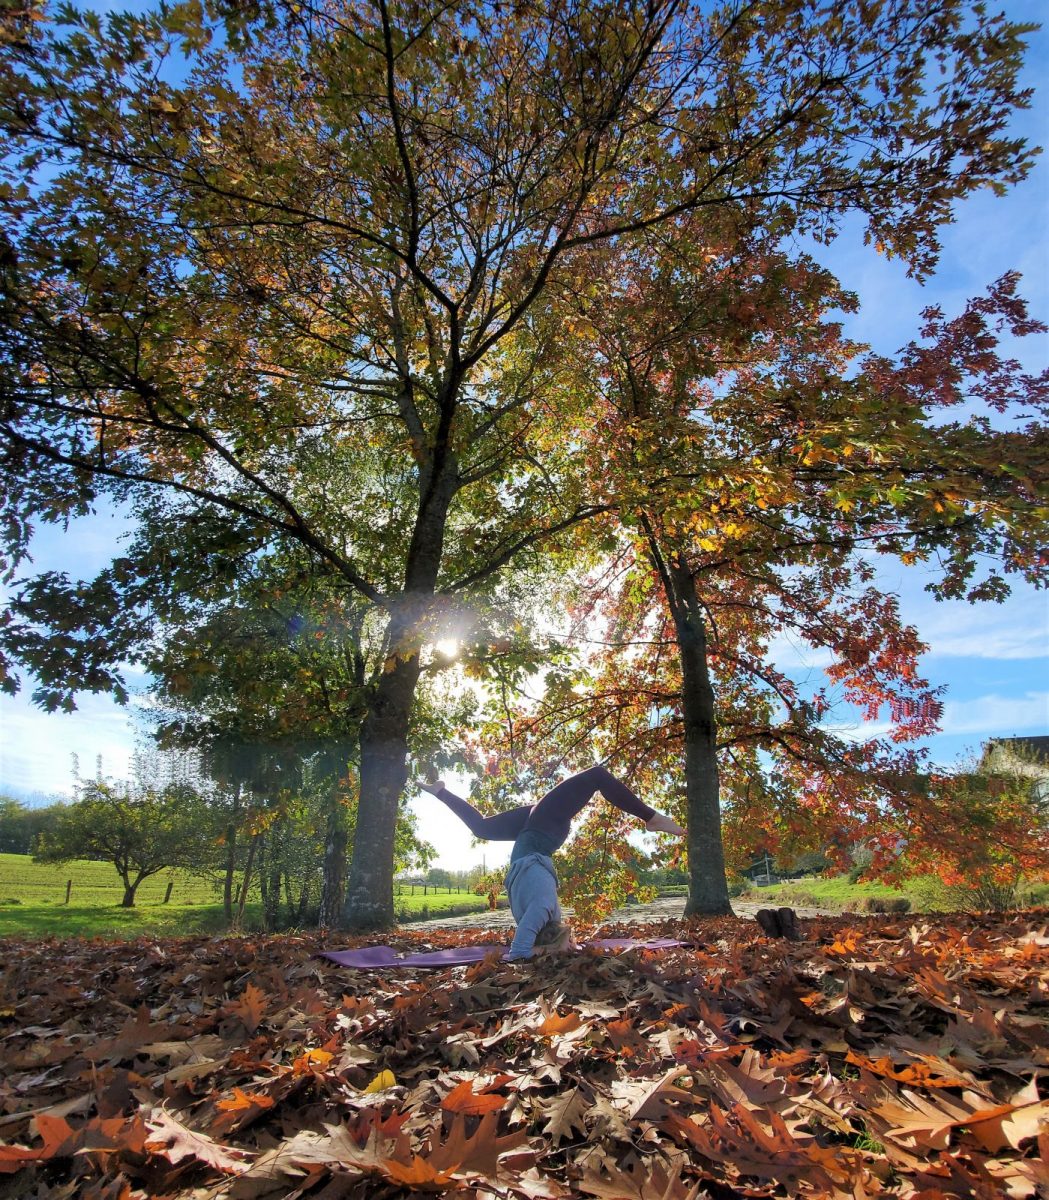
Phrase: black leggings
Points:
(554, 812)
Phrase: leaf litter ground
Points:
(877, 1057)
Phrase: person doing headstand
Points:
(537, 830)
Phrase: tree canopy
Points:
(309, 266)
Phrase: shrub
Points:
(888, 904)
(979, 893)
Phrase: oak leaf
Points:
(565, 1113)
(462, 1099)
(174, 1141)
(250, 1007)
(555, 1026)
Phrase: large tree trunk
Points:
(384, 771)
(708, 887)
(384, 731)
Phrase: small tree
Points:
(141, 830)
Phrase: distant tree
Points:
(21, 825)
(994, 825)
(439, 877)
(139, 829)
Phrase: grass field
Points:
(835, 892)
(32, 901)
(838, 893)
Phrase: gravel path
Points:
(665, 908)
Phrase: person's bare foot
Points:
(659, 823)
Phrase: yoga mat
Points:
(373, 957)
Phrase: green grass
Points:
(32, 902)
(838, 893)
(171, 920)
(94, 883)
(435, 904)
(833, 893)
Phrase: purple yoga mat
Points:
(460, 956)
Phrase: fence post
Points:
(167, 894)
(69, 889)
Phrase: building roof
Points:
(1036, 748)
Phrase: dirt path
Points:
(664, 909)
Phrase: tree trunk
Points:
(333, 886)
(129, 892)
(270, 878)
(707, 887)
(304, 900)
(384, 730)
(231, 857)
(243, 897)
(384, 771)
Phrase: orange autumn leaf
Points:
(463, 1099)
(250, 1006)
(554, 1026)
(312, 1060)
(417, 1173)
(244, 1100)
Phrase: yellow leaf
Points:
(382, 1081)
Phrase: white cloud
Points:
(997, 714)
(985, 716)
(1017, 628)
(36, 748)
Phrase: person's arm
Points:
(534, 918)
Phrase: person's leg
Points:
(554, 812)
(502, 827)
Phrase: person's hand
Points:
(559, 943)
(433, 788)
(658, 823)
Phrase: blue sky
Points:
(992, 658)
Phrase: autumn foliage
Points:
(874, 1057)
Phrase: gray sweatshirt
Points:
(531, 885)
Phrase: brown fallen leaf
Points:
(565, 1112)
(477, 1153)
